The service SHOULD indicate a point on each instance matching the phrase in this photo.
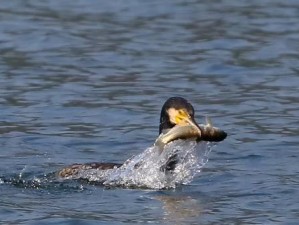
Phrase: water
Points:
(144, 170)
(84, 81)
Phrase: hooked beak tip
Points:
(193, 123)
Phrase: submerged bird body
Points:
(176, 122)
(73, 170)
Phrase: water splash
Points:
(22, 172)
(144, 170)
(32, 180)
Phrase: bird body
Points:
(176, 122)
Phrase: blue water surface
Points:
(84, 81)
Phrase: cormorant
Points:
(176, 122)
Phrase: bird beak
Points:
(185, 127)
(182, 118)
(190, 121)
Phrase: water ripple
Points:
(84, 81)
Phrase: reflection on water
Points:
(180, 209)
(84, 81)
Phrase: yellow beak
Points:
(182, 118)
(185, 127)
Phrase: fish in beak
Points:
(185, 127)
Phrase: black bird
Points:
(176, 112)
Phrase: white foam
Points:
(144, 170)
